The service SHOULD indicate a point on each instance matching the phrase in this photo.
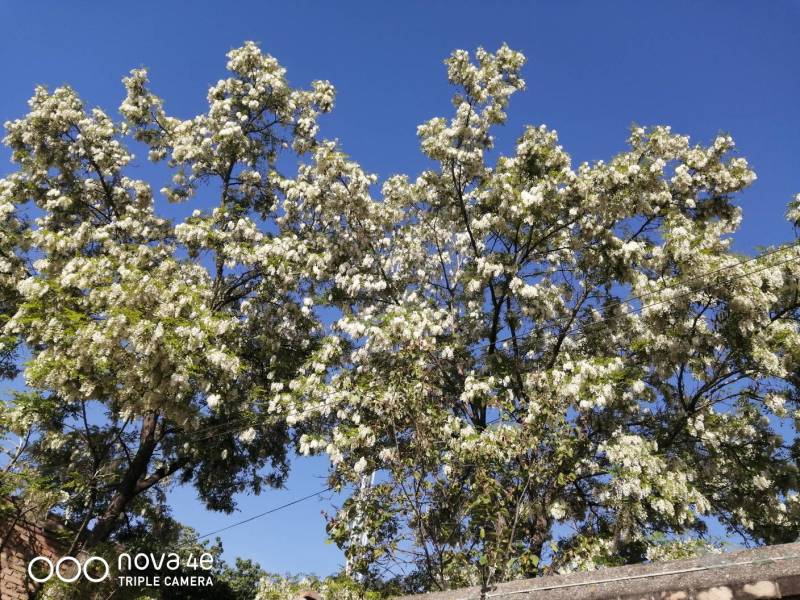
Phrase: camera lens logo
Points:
(52, 569)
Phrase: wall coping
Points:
(766, 572)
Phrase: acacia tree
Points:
(152, 343)
(519, 413)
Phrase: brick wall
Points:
(25, 541)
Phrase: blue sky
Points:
(593, 69)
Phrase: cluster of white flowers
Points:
(643, 480)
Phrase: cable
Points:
(282, 506)
(263, 514)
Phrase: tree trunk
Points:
(129, 487)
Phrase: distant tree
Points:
(338, 587)
(519, 414)
(246, 580)
(242, 579)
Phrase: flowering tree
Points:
(518, 414)
(541, 366)
(148, 338)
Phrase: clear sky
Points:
(593, 69)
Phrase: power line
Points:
(577, 331)
(265, 513)
(287, 505)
